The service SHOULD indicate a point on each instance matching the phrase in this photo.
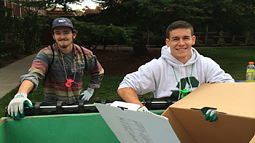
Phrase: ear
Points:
(193, 40)
(167, 42)
(53, 36)
(74, 35)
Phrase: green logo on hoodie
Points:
(188, 80)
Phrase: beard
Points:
(64, 43)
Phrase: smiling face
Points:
(180, 42)
(64, 37)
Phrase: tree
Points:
(90, 34)
(236, 17)
(147, 16)
(50, 4)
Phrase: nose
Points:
(61, 35)
(181, 42)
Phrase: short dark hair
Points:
(179, 24)
(73, 31)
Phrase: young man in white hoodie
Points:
(180, 68)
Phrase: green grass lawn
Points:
(233, 60)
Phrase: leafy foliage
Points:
(237, 43)
(236, 17)
(228, 15)
(92, 34)
(158, 40)
(209, 42)
(32, 26)
(221, 42)
(49, 4)
(198, 42)
(250, 42)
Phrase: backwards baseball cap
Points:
(62, 22)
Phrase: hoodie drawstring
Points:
(189, 80)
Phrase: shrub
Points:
(32, 27)
(250, 42)
(14, 46)
(237, 43)
(221, 42)
(209, 42)
(198, 42)
(92, 33)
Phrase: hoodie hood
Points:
(166, 55)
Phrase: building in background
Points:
(18, 10)
(87, 10)
(60, 12)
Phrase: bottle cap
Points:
(251, 63)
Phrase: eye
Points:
(66, 32)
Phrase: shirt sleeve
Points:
(33, 77)
(95, 69)
(217, 75)
(37, 70)
(142, 81)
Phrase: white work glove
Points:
(145, 110)
(16, 106)
(86, 94)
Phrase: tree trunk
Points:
(140, 49)
(247, 38)
(18, 9)
(206, 35)
(234, 37)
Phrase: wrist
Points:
(90, 88)
(20, 95)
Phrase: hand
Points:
(86, 94)
(16, 106)
(210, 115)
(145, 110)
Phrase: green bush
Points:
(198, 42)
(221, 42)
(92, 33)
(32, 27)
(237, 43)
(14, 46)
(209, 42)
(250, 42)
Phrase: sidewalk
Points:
(9, 75)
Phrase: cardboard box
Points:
(237, 100)
(131, 126)
(252, 140)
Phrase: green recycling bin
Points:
(63, 128)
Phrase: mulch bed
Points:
(121, 62)
(114, 62)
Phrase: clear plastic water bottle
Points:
(250, 72)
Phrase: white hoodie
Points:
(159, 75)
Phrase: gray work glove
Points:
(86, 94)
(16, 106)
